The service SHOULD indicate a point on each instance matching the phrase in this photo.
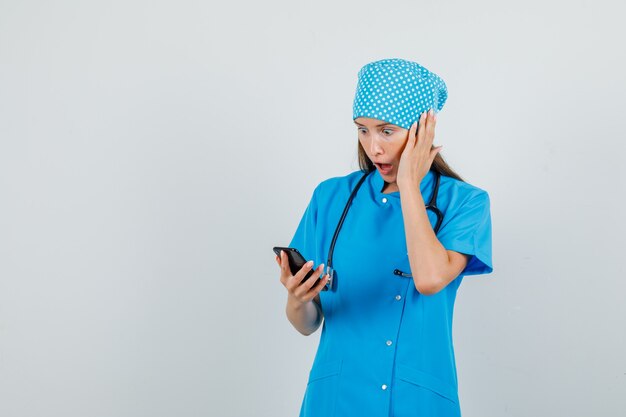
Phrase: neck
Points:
(390, 188)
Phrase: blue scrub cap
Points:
(397, 91)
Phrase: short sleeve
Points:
(468, 230)
(304, 238)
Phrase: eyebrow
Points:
(381, 124)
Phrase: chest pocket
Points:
(401, 267)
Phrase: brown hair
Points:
(439, 164)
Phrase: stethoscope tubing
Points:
(432, 205)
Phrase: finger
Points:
(303, 289)
(322, 282)
(297, 279)
(410, 142)
(286, 273)
(317, 287)
(420, 129)
(430, 126)
(414, 132)
(313, 278)
(422, 126)
(284, 264)
(284, 269)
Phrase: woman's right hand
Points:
(301, 292)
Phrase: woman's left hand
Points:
(418, 153)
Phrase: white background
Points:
(152, 153)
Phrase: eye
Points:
(360, 129)
(388, 130)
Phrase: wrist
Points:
(408, 186)
(294, 303)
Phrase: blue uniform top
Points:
(385, 349)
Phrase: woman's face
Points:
(383, 143)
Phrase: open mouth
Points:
(385, 168)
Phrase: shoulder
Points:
(459, 193)
(338, 185)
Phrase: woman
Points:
(386, 345)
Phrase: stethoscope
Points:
(432, 205)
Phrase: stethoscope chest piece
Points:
(331, 278)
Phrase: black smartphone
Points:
(296, 262)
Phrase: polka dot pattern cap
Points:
(397, 91)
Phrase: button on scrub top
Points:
(386, 349)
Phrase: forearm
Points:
(306, 318)
(427, 256)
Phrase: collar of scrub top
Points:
(377, 183)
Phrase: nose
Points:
(375, 147)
